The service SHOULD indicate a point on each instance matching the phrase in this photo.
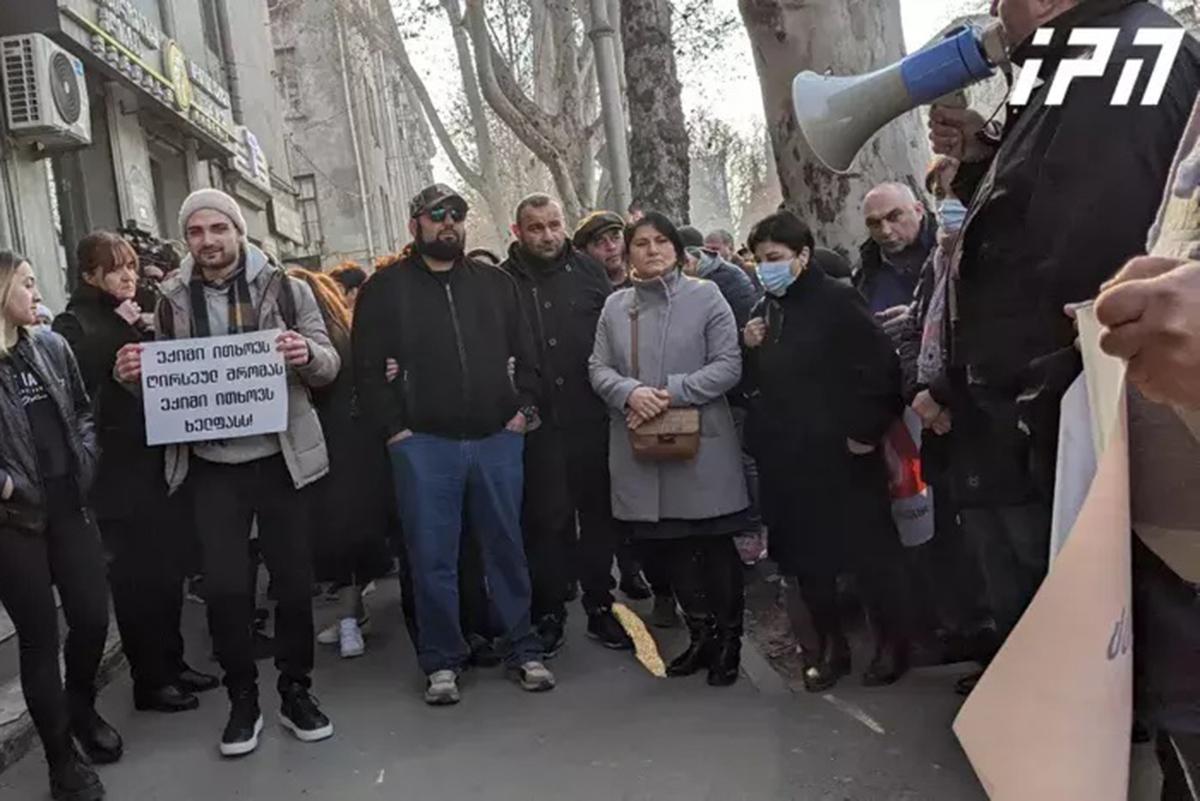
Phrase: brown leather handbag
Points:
(673, 436)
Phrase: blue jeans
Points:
(434, 477)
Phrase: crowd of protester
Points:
(632, 391)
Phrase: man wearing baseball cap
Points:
(454, 420)
(228, 286)
(601, 235)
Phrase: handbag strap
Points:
(633, 327)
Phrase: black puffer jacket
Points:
(466, 358)
(562, 302)
(50, 356)
(130, 473)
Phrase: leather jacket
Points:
(50, 356)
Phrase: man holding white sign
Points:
(238, 392)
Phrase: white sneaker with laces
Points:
(534, 677)
(332, 634)
(442, 689)
(351, 639)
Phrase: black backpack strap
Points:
(287, 301)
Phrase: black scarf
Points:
(243, 316)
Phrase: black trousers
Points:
(228, 499)
(566, 478)
(68, 555)
(706, 574)
(146, 577)
(1012, 545)
(948, 577)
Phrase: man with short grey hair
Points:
(890, 262)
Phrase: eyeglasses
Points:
(441, 213)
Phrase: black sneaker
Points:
(300, 715)
(551, 634)
(604, 628)
(245, 724)
(73, 779)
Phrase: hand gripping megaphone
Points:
(839, 114)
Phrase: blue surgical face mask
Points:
(776, 276)
(951, 214)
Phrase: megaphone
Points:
(839, 114)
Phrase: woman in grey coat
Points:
(688, 356)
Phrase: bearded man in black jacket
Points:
(455, 420)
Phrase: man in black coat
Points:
(563, 292)
(1061, 198)
(455, 417)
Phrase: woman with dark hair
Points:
(130, 498)
(47, 540)
(824, 384)
(665, 345)
(350, 551)
(350, 277)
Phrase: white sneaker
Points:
(351, 639)
(534, 677)
(332, 634)
(442, 689)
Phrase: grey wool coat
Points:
(688, 343)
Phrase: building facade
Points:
(358, 145)
(176, 95)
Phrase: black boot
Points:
(727, 660)
(99, 741)
(193, 681)
(73, 779)
(165, 699)
(830, 665)
(889, 664)
(700, 650)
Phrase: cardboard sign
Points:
(214, 388)
(1050, 719)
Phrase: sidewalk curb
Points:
(18, 737)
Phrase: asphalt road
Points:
(610, 732)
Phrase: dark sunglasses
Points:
(441, 213)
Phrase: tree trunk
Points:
(557, 140)
(847, 37)
(658, 142)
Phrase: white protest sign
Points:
(214, 388)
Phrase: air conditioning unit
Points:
(45, 93)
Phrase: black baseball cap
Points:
(433, 196)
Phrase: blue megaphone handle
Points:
(951, 64)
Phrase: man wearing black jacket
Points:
(455, 420)
(562, 292)
(1061, 199)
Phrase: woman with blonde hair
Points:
(350, 549)
(47, 540)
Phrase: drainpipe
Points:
(364, 198)
(231, 73)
